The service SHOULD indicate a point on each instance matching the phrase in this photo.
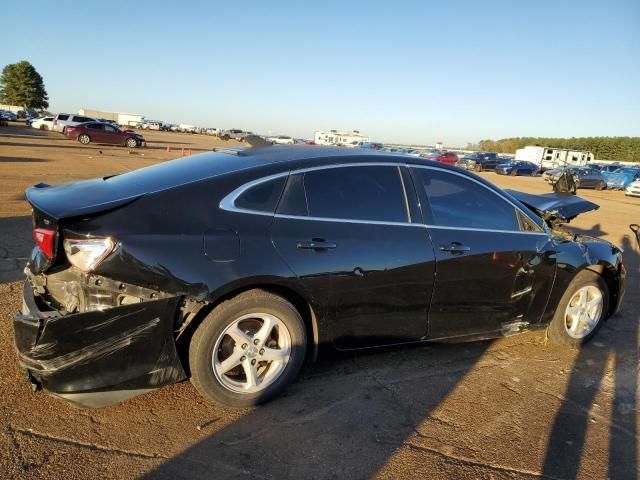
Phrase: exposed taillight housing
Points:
(87, 253)
(45, 240)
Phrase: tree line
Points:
(623, 149)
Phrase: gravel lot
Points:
(511, 408)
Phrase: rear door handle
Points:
(455, 247)
(316, 244)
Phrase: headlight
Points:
(87, 253)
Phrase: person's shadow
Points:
(617, 341)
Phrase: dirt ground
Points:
(510, 408)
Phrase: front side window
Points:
(456, 201)
(109, 128)
(356, 193)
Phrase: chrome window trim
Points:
(228, 201)
(497, 194)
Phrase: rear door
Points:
(348, 235)
(493, 273)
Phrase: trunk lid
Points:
(555, 208)
(76, 199)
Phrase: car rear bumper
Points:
(100, 357)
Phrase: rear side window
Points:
(63, 117)
(262, 197)
(356, 193)
(95, 126)
(459, 202)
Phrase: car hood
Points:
(555, 207)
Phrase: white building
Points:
(339, 138)
(124, 119)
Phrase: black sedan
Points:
(234, 267)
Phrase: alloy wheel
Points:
(251, 353)
(583, 311)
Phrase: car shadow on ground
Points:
(360, 411)
(22, 159)
(15, 247)
(617, 341)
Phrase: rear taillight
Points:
(45, 240)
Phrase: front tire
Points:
(247, 350)
(131, 143)
(513, 172)
(581, 311)
(601, 185)
(84, 139)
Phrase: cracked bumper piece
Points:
(99, 358)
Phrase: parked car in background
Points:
(590, 178)
(250, 261)
(373, 145)
(553, 174)
(212, 131)
(233, 134)
(98, 132)
(633, 189)
(43, 123)
(6, 114)
(281, 140)
(63, 120)
(479, 161)
(517, 167)
(442, 156)
(620, 178)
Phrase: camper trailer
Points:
(547, 158)
(341, 139)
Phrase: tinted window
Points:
(459, 202)
(262, 197)
(95, 126)
(109, 128)
(357, 193)
(63, 117)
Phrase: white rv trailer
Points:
(547, 158)
(338, 138)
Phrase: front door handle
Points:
(316, 244)
(455, 247)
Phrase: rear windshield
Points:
(183, 170)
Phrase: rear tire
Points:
(233, 363)
(565, 328)
(225, 138)
(44, 127)
(513, 172)
(601, 185)
(477, 168)
(84, 139)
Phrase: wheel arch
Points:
(196, 315)
(610, 276)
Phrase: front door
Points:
(346, 233)
(493, 274)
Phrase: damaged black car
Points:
(232, 268)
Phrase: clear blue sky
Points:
(400, 71)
